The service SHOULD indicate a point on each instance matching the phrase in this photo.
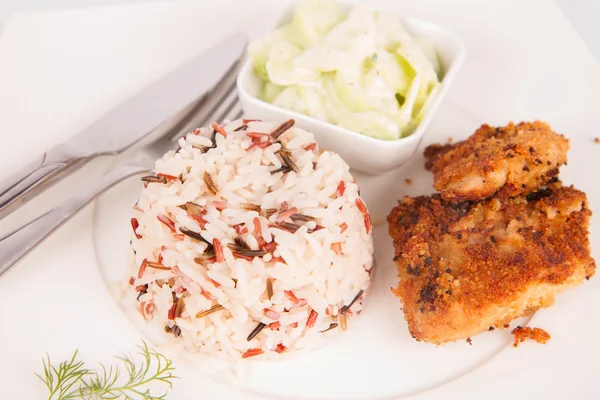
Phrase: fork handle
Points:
(33, 178)
(19, 243)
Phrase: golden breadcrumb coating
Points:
(524, 332)
(465, 267)
(508, 161)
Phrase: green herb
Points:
(368, 64)
(64, 382)
(71, 380)
(400, 99)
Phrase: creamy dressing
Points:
(361, 70)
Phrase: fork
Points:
(17, 244)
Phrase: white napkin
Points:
(61, 70)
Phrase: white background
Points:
(583, 14)
(552, 78)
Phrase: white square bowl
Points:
(363, 153)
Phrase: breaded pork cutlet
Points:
(507, 161)
(465, 267)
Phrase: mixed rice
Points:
(248, 240)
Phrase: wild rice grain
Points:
(171, 312)
(269, 288)
(135, 224)
(179, 308)
(252, 353)
(286, 214)
(215, 308)
(218, 250)
(176, 331)
(250, 207)
(156, 265)
(193, 235)
(287, 160)
(210, 184)
(311, 147)
(341, 188)
(345, 309)
(291, 296)
(279, 348)
(301, 217)
(168, 177)
(288, 227)
(331, 326)
(165, 220)
(218, 128)
(336, 247)
(312, 318)
(154, 179)
(281, 129)
(274, 325)
(270, 211)
(142, 268)
(256, 331)
(343, 321)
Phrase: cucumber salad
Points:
(360, 69)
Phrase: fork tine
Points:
(202, 112)
(225, 110)
(236, 112)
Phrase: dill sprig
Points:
(71, 380)
(63, 382)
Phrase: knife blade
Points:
(127, 123)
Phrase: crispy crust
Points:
(469, 266)
(509, 160)
(522, 333)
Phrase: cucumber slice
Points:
(390, 32)
(271, 91)
(366, 93)
(314, 102)
(372, 123)
(334, 105)
(261, 71)
(280, 66)
(429, 52)
(345, 46)
(313, 19)
(416, 120)
(415, 57)
(259, 50)
(290, 100)
(396, 75)
(406, 111)
(348, 86)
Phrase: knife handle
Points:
(18, 188)
(19, 243)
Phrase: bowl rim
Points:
(449, 75)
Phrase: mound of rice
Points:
(250, 241)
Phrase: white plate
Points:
(378, 338)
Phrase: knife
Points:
(222, 105)
(149, 110)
